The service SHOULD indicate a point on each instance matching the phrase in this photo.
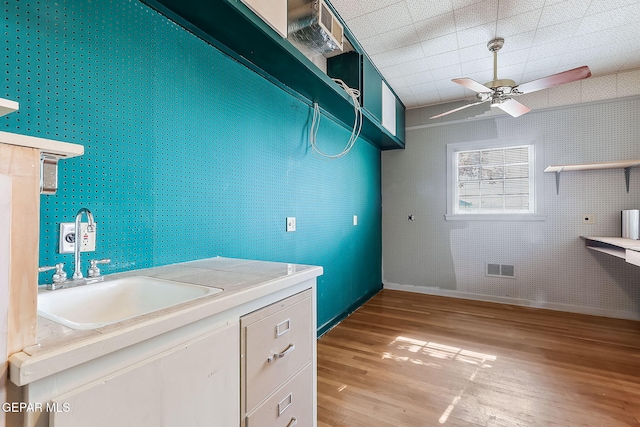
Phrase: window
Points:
(494, 180)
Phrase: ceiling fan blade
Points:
(457, 109)
(555, 80)
(513, 107)
(471, 85)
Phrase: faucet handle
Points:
(94, 271)
(59, 276)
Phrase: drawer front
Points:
(290, 406)
(276, 346)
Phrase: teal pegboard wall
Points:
(188, 154)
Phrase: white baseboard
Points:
(593, 311)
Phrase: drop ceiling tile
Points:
(458, 4)
(411, 102)
(517, 24)
(507, 59)
(451, 72)
(563, 11)
(550, 34)
(362, 27)
(371, 6)
(598, 6)
(398, 56)
(534, 75)
(392, 71)
(478, 52)
(601, 21)
(390, 40)
(542, 64)
(397, 83)
(450, 93)
(416, 66)
(597, 88)
(519, 41)
(421, 77)
(423, 88)
(443, 60)
(472, 36)
(436, 26)
(513, 72)
(442, 44)
(348, 9)
(391, 17)
(566, 94)
(559, 47)
(477, 70)
(476, 14)
(421, 10)
(511, 8)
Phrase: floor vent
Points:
(500, 270)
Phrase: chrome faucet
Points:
(77, 273)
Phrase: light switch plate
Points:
(67, 238)
(291, 223)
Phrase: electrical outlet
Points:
(588, 219)
(355, 220)
(67, 238)
(291, 223)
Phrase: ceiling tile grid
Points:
(419, 45)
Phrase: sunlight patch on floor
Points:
(443, 352)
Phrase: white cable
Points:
(357, 124)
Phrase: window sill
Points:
(494, 217)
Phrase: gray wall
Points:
(553, 268)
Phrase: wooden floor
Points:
(406, 359)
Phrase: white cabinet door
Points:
(195, 384)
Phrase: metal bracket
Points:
(627, 177)
(558, 181)
(48, 174)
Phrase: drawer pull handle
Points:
(283, 354)
(293, 422)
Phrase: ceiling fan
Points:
(501, 91)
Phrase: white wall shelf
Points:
(624, 164)
(7, 106)
(627, 249)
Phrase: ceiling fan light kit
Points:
(501, 91)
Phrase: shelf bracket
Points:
(627, 176)
(558, 181)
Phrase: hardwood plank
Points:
(407, 359)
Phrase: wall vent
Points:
(500, 270)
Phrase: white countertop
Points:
(242, 281)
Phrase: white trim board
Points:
(592, 311)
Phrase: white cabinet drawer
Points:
(277, 343)
(291, 405)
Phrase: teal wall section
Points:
(188, 154)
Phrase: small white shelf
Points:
(8, 106)
(624, 164)
(46, 146)
(627, 249)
